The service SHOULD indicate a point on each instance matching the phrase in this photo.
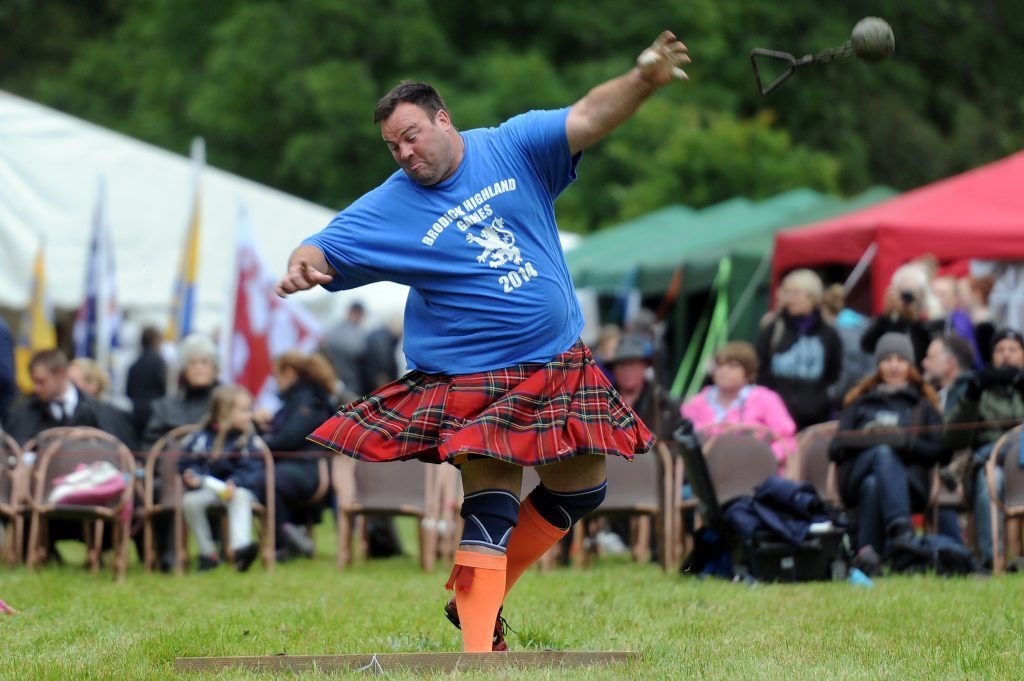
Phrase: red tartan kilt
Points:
(529, 414)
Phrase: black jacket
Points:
(918, 449)
(32, 417)
(147, 381)
(186, 407)
(800, 364)
(305, 407)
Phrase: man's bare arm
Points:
(611, 103)
(307, 267)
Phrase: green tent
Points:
(679, 256)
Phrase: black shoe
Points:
(498, 644)
(868, 561)
(207, 563)
(905, 555)
(245, 556)
(283, 555)
(298, 540)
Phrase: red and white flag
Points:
(264, 325)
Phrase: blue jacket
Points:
(242, 465)
(784, 507)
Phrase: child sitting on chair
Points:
(221, 467)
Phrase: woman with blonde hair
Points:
(799, 353)
(889, 438)
(221, 467)
(304, 383)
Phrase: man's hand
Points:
(662, 62)
(306, 268)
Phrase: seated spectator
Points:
(220, 467)
(993, 400)
(89, 377)
(56, 401)
(799, 354)
(147, 378)
(198, 378)
(947, 368)
(889, 438)
(905, 305)
(733, 398)
(630, 364)
(305, 383)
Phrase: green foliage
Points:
(283, 92)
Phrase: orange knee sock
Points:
(530, 540)
(479, 583)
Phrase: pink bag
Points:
(96, 484)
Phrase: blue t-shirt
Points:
(489, 287)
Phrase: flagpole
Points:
(183, 305)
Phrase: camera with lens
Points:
(907, 297)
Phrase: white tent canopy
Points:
(50, 164)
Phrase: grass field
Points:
(77, 626)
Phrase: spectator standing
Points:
(221, 467)
(905, 305)
(888, 439)
(147, 378)
(850, 326)
(799, 353)
(733, 398)
(344, 345)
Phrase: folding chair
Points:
(641, 488)
(13, 479)
(1006, 454)
(58, 454)
(162, 491)
(812, 462)
(396, 488)
(166, 497)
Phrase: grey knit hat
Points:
(894, 344)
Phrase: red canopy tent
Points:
(978, 214)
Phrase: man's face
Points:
(937, 363)
(48, 385)
(1008, 352)
(421, 147)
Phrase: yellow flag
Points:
(37, 331)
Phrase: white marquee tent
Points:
(50, 165)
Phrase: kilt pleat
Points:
(529, 414)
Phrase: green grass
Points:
(78, 626)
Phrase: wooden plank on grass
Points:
(387, 662)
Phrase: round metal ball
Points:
(873, 39)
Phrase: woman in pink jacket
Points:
(732, 399)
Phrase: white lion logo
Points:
(498, 243)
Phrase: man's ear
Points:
(443, 119)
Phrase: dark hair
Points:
(151, 337)
(421, 94)
(961, 350)
(52, 360)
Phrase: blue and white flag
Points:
(99, 318)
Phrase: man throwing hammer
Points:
(500, 379)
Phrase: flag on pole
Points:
(264, 325)
(183, 303)
(98, 319)
(37, 331)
